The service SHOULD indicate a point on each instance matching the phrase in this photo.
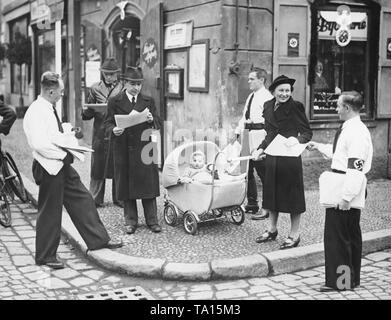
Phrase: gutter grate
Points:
(130, 293)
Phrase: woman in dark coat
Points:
(135, 156)
(284, 188)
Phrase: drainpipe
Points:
(234, 65)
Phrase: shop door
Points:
(151, 46)
(291, 44)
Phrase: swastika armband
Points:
(356, 164)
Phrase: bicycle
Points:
(11, 184)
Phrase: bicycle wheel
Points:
(5, 211)
(12, 177)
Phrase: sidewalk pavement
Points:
(255, 265)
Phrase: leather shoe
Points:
(113, 244)
(260, 216)
(130, 229)
(267, 236)
(55, 264)
(155, 228)
(290, 243)
(251, 209)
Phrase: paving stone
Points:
(17, 251)
(30, 269)
(111, 279)
(65, 273)
(258, 289)
(286, 277)
(26, 234)
(314, 280)
(40, 274)
(6, 239)
(232, 285)
(56, 283)
(378, 256)
(260, 281)
(94, 274)
(14, 245)
(81, 281)
(19, 222)
(231, 294)
(23, 260)
(307, 273)
(201, 287)
(202, 295)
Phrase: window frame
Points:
(371, 56)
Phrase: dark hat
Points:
(110, 65)
(133, 74)
(281, 80)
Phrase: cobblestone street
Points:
(21, 279)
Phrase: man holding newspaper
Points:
(132, 117)
(59, 184)
(343, 193)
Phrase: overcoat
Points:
(135, 169)
(101, 158)
(283, 189)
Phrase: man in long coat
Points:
(101, 158)
(135, 170)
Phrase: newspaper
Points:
(131, 119)
(278, 147)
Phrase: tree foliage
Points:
(19, 50)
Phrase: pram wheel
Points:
(170, 214)
(237, 215)
(190, 222)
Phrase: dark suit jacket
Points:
(135, 157)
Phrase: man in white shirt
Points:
(351, 155)
(253, 121)
(59, 184)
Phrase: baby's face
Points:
(197, 162)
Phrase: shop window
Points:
(19, 74)
(345, 50)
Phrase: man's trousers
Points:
(97, 189)
(342, 248)
(66, 189)
(252, 190)
(131, 215)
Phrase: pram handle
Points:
(240, 158)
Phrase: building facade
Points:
(196, 56)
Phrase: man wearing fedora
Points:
(136, 174)
(101, 158)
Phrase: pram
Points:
(197, 201)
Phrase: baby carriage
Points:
(200, 201)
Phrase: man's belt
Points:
(338, 171)
(254, 126)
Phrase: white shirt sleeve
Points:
(38, 137)
(357, 148)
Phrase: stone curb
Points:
(257, 265)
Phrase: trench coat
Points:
(134, 178)
(283, 189)
(101, 158)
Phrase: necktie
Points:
(336, 137)
(58, 119)
(276, 106)
(247, 115)
(133, 100)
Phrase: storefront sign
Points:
(178, 35)
(328, 26)
(389, 48)
(293, 44)
(150, 53)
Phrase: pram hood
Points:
(180, 157)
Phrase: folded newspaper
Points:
(133, 118)
(68, 142)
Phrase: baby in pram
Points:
(199, 171)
